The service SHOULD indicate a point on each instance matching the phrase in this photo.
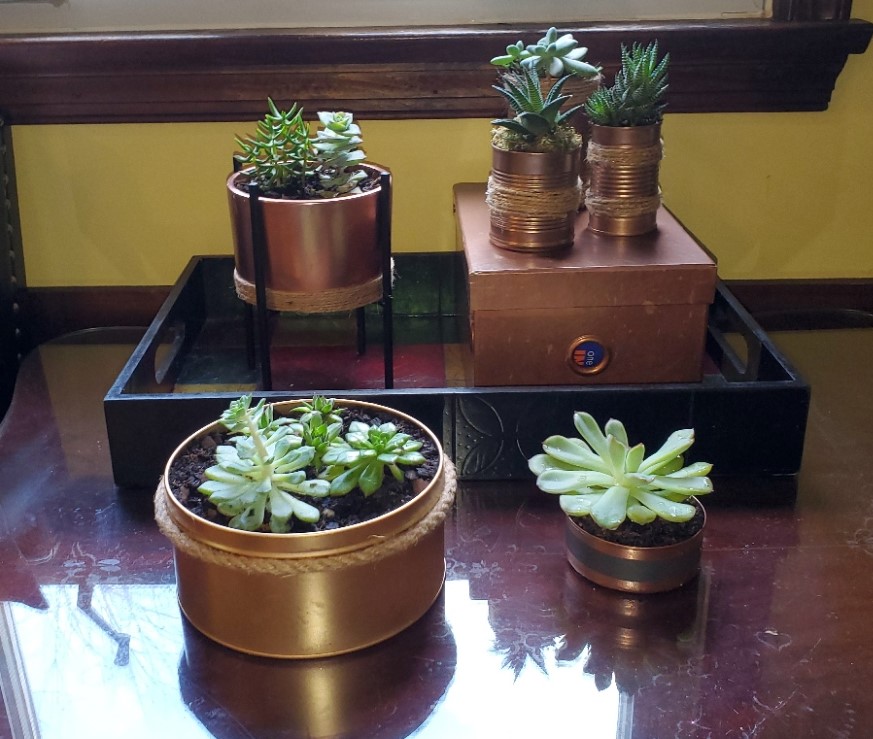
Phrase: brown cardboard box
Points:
(610, 310)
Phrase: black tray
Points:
(749, 411)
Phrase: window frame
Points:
(787, 63)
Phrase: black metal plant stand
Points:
(257, 325)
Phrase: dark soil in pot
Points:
(188, 468)
(659, 533)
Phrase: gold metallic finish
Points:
(533, 199)
(308, 604)
(312, 245)
(624, 166)
(633, 569)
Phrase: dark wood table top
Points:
(772, 640)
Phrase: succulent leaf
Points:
(612, 479)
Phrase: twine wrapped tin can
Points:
(624, 166)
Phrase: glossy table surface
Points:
(772, 640)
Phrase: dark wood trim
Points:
(765, 297)
(787, 64)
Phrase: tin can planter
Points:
(322, 255)
(533, 199)
(312, 594)
(624, 164)
(633, 569)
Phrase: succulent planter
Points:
(322, 254)
(624, 195)
(633, 569)
(533, 199)
(310, 594)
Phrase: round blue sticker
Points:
(588, 356)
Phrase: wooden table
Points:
(773, 640)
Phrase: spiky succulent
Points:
(257, 472)
(283, 158)
(637, 97)
(367, 454)
(553, 55)
(601, 475)
(537, 116)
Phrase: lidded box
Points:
(610, 310)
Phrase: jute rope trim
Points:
(288, 567)
(624, 156)
(622, 207)
(326, 301)
(555, 202)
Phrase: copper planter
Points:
(310, 594)
(327, 245)
(624, 165)
(633, 569)
(533, 198)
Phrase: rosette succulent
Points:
(367, 454)
(603, 476)
(539, 123)
(260, 468)
(553, 55)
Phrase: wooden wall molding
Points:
(786, 64)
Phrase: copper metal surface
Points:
(312, 245)
(530, 229)
(322, 610)
(646, 299)
(632, 569)
(624, 182)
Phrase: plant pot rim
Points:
(234, 182)
(555, 153)
(635, 552)
(294, 545)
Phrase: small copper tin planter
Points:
(533, 198)
(624, 165)
(326, 247)
(310, 594)
(633, 569)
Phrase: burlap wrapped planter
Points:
(310, 594)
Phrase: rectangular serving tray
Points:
(749, 411)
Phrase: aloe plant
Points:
(260, 468)
(367, 454)
(637, 96)
(539, 120)
(603, 476)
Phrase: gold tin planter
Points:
(624, 164)
(533, 198)
(633, 569)
(310, 594)
(322, 255)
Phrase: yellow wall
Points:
(773, 195)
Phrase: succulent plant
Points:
(637, 97)
(601, 475)
(553, 55)
(557, 56)
(538, 116)
(336, 145)
(284, 159)
(319, 424)
(257, 472)
(367, 453)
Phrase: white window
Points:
(42, 16)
